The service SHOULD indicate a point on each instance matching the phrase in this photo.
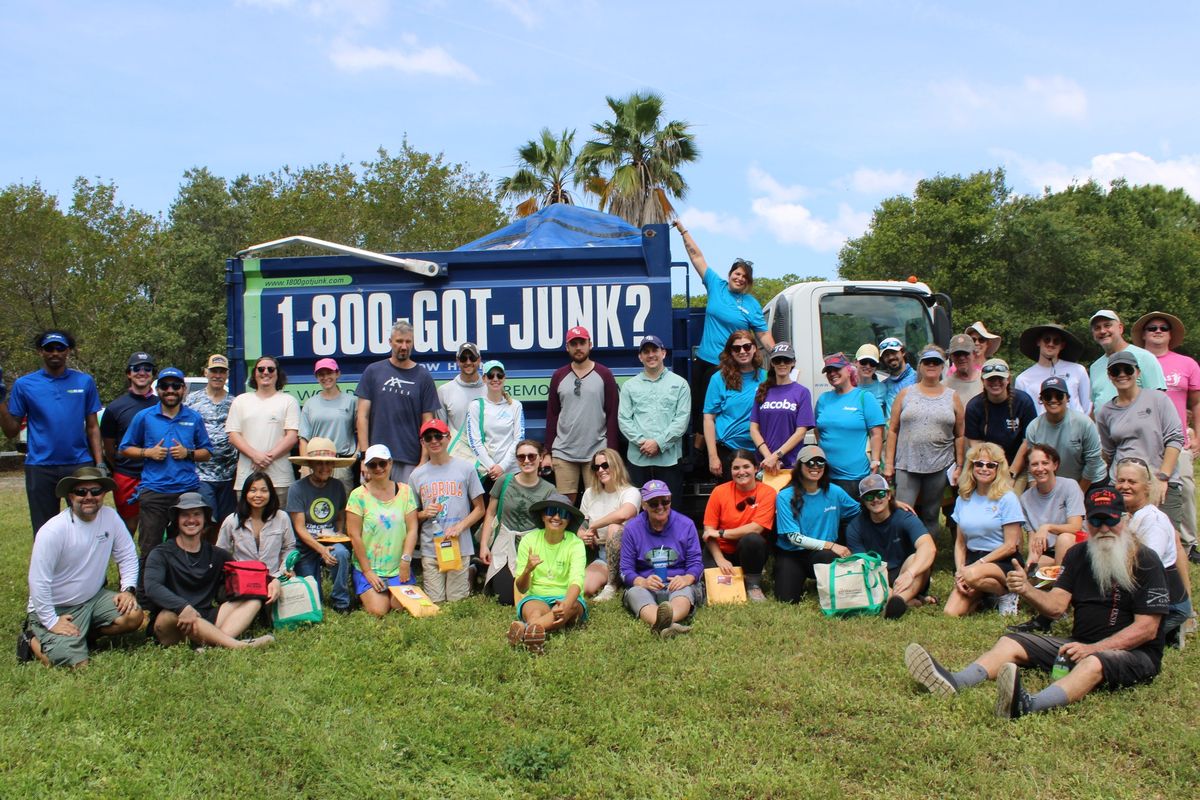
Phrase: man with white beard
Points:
(1119, 591)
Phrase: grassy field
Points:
(762, 701)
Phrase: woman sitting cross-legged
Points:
(551, 563)
(738, 515)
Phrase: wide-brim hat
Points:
(321, 451)
(1177, 329)
(84, 475)
(993, 340)
(559, 501)
(1028, 343)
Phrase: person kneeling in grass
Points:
(183, 575)
(899, 536)
(660, 542)
(551, 564)
(1119, 590)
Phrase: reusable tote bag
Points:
(855, 584)
(299, 603)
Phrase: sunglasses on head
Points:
(267, 369)
(741, 348)
(600, 466)
(985, 464)
(555, 511)
(878, 494)
(659, 502)
(468, 358)
(376, 464)
(433, 436)
(142, 368)
(1158, 328)
(988, 370)
(741, 262)
(1117, 370)
(1102, 520)
(93, 492)
(527, 456)
(815, 463)
(749, 501)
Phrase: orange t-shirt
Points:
(730, 507)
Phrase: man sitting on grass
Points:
(1119, 591)
(68, 604)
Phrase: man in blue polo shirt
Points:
(168, 438)
(59, 406)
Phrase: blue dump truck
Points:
(516, 292)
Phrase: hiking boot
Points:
(663, 618)
(1038, 624)
(25, 646)
(895, 608)
(926, 671)
(535, 638)
(755, 594)
(1012, 701)
(516, 634)
(1008, 604)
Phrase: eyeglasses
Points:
(1118, 370)
(1158, 329)
(578, 386)
(495, 376)
(815, 463)
(170, 387)
(54, 348)
(878, 494)
(555, 511)
(468, 358)
(1103, 520)
(994, 368)
(749, 501)
(741, 348)
(265, 370)
(142, 368)
(527, 456)
(985, 464)
(376, 464)
(600, 466)
(659, 502)
(1053, 397)
(433, 436)
(94, 492)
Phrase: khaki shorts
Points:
(444, 587)
(568, 476)
(67, 651)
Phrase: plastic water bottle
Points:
(658, 560)
(1062, 666)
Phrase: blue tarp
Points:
(561, 225)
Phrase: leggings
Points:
(501, 585)
(751, 554)
(923, 491)
(793, 568)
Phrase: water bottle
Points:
(1062, 665)
(658, 560)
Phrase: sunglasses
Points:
(878, 494)
(495, 376)
(1051, 340)
(96, 492)
(142, 368)
(1053, 397)
(1119, 370)
(815, 463)
(741, 262)
(994, 368)
(527, 456)
(432, 436)
(578, 386)
(170, 387)
(1133, 460)
(1158, 328)
(266, 370)
(600, 466)
(741, 348)
(931, 362)
(555, 511)
(749, 501)
(985, 464)
(659, 502)
(54, 348)
(468, 358)
(1102, 520)
(376, 464)
(866, 362)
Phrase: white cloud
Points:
(882, 182)
(1176, 173)
(410, 59)
(714, 222)
(521, 9)
(764, 183)
(1037, 97)
(792, 223)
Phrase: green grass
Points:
(760, 701)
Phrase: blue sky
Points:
(807, 114)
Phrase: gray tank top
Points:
(926, 440)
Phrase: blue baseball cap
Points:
(651, 339)
(54, 337)
(170, 372)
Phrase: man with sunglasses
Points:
(654, 409)
(1071, 433)
(581, 414)
(1109, 332)
(1118, 589)
(59, 406)
(168, 439)
(68, 603)
(466, 388)
(1160, 333)
(126, 472)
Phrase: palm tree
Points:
(545, 169)
(643, 155)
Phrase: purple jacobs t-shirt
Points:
(784, 409)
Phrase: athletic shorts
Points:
(1122, 668)
(125, 496)
(362, 585)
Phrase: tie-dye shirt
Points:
(383, 526)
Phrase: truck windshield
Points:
(849, 321)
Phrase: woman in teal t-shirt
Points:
(550, 572)
(729, 399)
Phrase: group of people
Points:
(401, 470)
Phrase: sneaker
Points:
(1008, 604)
(675, 626)
(895, 608)
(516, 634)
(535, 638)
(663, 619)
(1012, 701)
(25, 646)
(607, 593)
(1037, 624)
(926, 671)
(1194, 555)
(343, 610)
(755, 594)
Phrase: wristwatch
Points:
(406, 557)
(721, 533)
(1162, 476)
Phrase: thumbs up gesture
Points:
(1016, 579)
